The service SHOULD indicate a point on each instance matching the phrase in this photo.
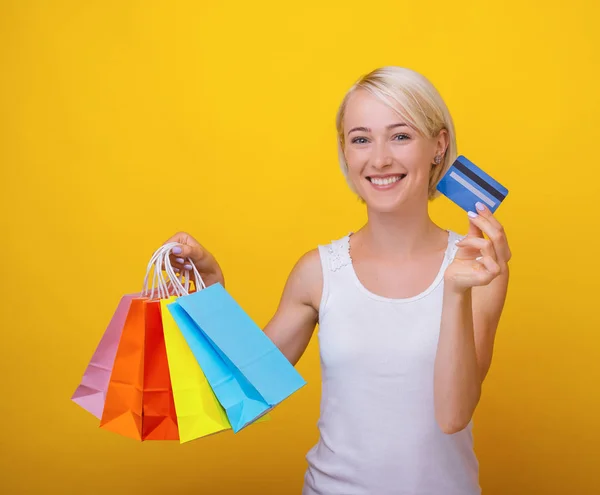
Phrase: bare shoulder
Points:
(305, 282)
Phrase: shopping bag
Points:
(199, 412)
(90, 394)
(139, 401)
(159, 421)
(247, 372)
(123, 407)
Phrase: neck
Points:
(400, 234)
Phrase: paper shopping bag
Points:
(91, 392)
(247, 372)
(199, 412)
(139, 401)
(123, 407)
(159, 421)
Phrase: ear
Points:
(442, 141)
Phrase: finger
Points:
(488, 222)
(481, 222)
(180, 264)
(474, 230)
(490, 264)
(494, 231)
(182, 251)
(485, 270)
(499, 234)
(484, 246)
(182, 254)
(176, 260)
(485, 212)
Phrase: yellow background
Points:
(123, 122)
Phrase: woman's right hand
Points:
(189, 249)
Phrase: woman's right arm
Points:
(294, 321)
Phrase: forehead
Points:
(365, 109)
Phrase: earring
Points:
(437, 160)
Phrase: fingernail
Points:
(176, 250)
(472, 214)
(179, 260)
(480, 258)
(480, 206)
(187, 267)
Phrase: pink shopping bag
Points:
(91, 392)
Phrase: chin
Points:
(401, 203)
(386, 208)
(385, 205)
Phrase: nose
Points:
(381, 157)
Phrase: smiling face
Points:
(389, 162)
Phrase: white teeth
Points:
(386, 181)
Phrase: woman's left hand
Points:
(478, 260)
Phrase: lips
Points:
(385, 180)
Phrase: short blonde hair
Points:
(416, 100)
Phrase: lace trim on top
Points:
(339, 253)
(453, 248)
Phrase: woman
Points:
(407, 311)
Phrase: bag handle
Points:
(164, 288)
(172, 285)
(158, 282)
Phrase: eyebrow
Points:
(366, 129)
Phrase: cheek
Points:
(354, 161)
(413, 158)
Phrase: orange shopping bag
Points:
(139, 400)
(123, 405)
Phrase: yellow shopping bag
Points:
(199, 413)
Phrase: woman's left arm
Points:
(475, 287)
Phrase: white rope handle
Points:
(172, 285)
(161, 260)
(174, 280)
(158, 282)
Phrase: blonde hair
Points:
(417, 101)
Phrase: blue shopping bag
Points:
(247, 372)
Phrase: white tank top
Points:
(378, 433)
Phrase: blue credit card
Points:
(465, 184)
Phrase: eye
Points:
(401, 137)
(359, 140)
